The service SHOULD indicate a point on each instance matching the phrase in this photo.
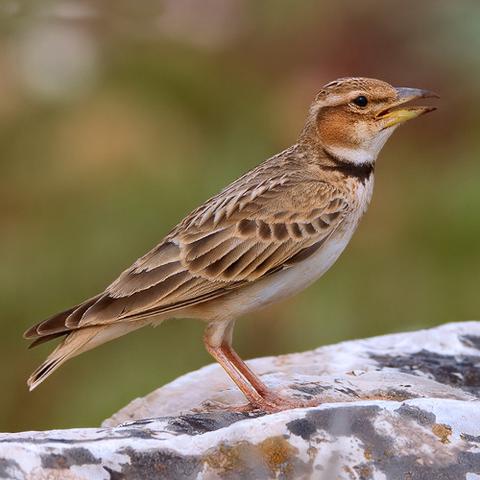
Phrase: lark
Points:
(264, 237)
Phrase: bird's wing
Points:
(239, 236)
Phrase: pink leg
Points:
(256, 392)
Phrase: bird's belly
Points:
(289, 281)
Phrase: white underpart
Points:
(367, 151)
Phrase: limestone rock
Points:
(402, 406)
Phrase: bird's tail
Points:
(77, 342)
(73, 345)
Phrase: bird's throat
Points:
(361, 171)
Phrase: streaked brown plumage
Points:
(267, 235)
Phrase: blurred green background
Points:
(118, 117)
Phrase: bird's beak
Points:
(392, 116)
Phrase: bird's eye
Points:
(361, 101)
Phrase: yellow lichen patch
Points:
(442, 431)
(278, 454)
(367, 453)
(273, 454)
(227, 458)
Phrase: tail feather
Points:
(47, 338)
(44, 370)
(74, 344)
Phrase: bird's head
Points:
(352, 118)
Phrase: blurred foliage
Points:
(119, 117)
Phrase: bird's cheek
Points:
(365, 132)
(336, 129)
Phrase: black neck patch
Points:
(361, 172)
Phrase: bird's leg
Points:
(218, 342)
(250, 385)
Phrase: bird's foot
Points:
(272, 403)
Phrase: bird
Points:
(269, 234)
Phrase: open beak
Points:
(392, 115)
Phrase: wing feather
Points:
(241, 235)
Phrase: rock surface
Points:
(402, 406)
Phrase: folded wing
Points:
(245, 233)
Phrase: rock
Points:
(402, 406)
